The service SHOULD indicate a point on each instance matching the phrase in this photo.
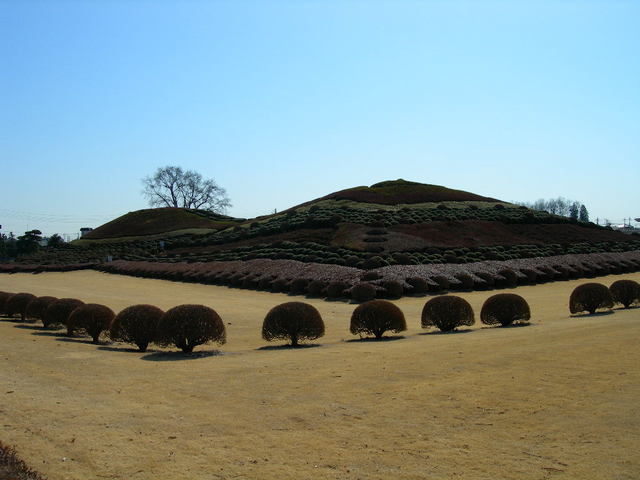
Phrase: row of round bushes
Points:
(589, 297)
(187, 326)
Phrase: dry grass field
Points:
(559, 398)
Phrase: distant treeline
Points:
(560, 206)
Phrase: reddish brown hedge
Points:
(363, 292)
(447, 312)
(317, 287)
(187, 326)
(589, 297)
(293, 321)
(625, 292)
(466, 281)
(377, 317)
(336, 289)
(393, 288)
(504, 308)
(17, 304)
(37, 307)
(58, 312)
(92, 318)
(418, 285)
(441, 283)
(299, 286)
(137, 325)
(510, 278)
(3, 299)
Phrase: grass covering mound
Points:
(154, 221)
(394, 192)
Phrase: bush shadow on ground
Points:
(86, 340)
(451, 332)
(49, 333)
(596, 314)
(334, 299)
(114, 348)
(30, 326)
(174, 356)
(390, 338)
(511, 325)
(288, 346)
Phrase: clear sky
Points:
(285, 101)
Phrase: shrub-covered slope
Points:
(394, 192)
(395, 223)
(155, 221)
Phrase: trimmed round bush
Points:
(264, 283)
(370, 275)
(488, 280)
(510, 278)
(394, 288)
(137, 325)
(625, 292)
(377, 317)
(250, 283)
(419, 285)
(4, 296)
(442, 283)
(363, 292)
(466, 281)
(299, 286)
(316, 287)
(91, 318)
(532, 275)
(336, 289)
(293, 321)
(280, 285)
(373, 262)
(17, 304)
(37, 307)
(589, 297)
(504, 308)
(187, 326)
(447, 312)
(58, 312)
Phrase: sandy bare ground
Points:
(557, 399)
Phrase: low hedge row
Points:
(390, 281)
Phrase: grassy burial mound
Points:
(156, 221)
(394, 231)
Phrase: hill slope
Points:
(395, 192)
(443, 233)
(155, 221)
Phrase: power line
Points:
(53, 218)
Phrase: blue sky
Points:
(284, 101)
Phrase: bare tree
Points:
(173, 187)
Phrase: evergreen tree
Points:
(584, 214)
(29, 242)
(55, 240)
(574, 211)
